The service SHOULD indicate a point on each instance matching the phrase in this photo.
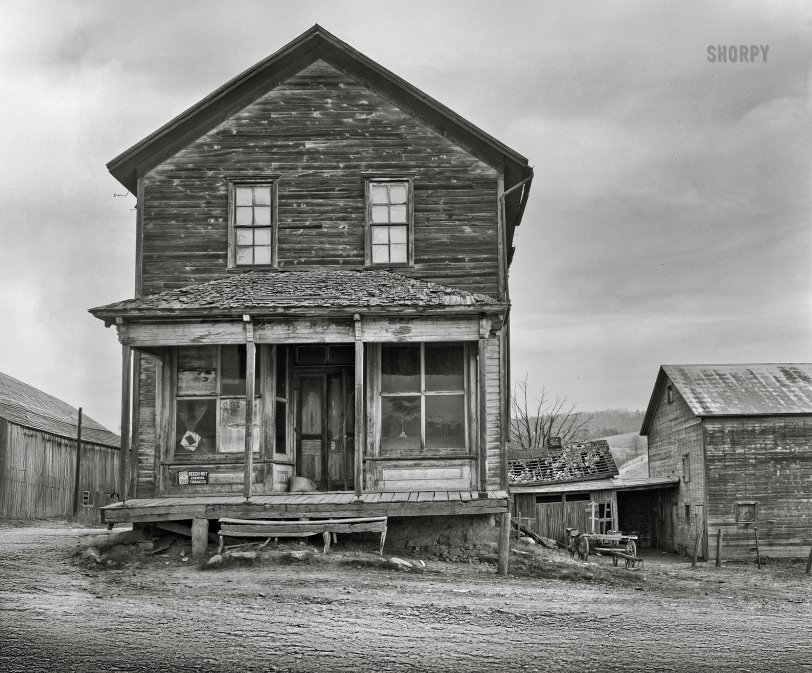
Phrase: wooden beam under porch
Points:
(299, 505)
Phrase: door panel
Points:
(326, 443)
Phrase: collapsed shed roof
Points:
(572, 462)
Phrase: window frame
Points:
(256, 181)
(686, 467)
(218, 456)
(370, 180)
(424, 452)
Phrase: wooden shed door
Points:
(325, 434)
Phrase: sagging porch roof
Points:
(292, 292)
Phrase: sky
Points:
(668, 222)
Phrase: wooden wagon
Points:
(617, 544)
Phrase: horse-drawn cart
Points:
(617, 544)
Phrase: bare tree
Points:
(534, 421)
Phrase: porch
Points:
(315, 504)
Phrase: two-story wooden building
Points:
(738, 438)
(322, 256)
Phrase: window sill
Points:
(384, 267)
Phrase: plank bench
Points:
(286, 528)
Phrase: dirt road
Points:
(167, 615)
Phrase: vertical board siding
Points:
(493, 410)
(39, 470)
(145, 443)
(767, 460)
(674, 432)
(319, 131)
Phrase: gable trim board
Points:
(314, 44)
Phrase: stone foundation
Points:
(453, 538)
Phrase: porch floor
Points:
(318, 504)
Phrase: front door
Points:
(325, 434)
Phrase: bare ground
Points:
(345, 612)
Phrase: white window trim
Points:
(369, 180)
(258, 181)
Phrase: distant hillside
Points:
(607, 422)
(630, 452)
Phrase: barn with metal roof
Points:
(39, 435)
(739, 439)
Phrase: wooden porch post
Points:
(124, 457)
(250, 374)
(503, 566)
(484, 327)
(359, 407)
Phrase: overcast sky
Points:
(669, 220)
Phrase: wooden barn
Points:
(578, 485)
(739, 439)
(38, 442)
(322, 258)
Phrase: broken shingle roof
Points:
(574, 461)
(737, 390)
(278, 291)
(29, 407)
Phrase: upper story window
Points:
(389, 221)
(252, 224)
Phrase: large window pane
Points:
(281, 424)
(445, 367)
(400, 369)
(445, 422)
(281, 371)
(195, 427)
(400, 425)
(232, 426)
(232, 370)
(197, 371)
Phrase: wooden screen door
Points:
(325, 435)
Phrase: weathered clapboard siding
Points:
(766, 460)
(38, 472)
(319, 131)
(675, 432)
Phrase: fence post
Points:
(78, 465)
(758, 554)
(809, 562)
(719, 548)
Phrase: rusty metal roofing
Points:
(280, 291)
(737, 390)
(575, 461)
(29, 407)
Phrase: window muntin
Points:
(389, 219)
(422, 399)
(252, 221)
(210, 401)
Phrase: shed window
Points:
(669, 394)
(745, 512)
(686, 467)
(252, 224)
(422, 399)
(210, 402)
(389, 221)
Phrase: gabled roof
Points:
(317, 43)
(575, 461)
(297, 292)
(737, 390)
(24, 405)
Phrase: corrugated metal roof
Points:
(279, 290)
(743, 390)
(575, 461)
(29, 407)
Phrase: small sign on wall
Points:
(186, 477)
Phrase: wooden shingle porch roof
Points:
(292, 292)
(315, 505)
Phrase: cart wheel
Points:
(631, 550)
(583, 549)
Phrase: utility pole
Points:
(78, 465)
